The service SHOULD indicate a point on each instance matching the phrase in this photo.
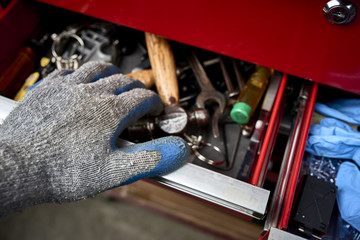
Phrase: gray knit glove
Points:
(58, 144)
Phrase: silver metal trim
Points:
(6, 106)
(222, 190)
(278, 198)
(277, 234)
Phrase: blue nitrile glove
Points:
(335, 139)
(348, 195)
(347, 110)
(58, 144)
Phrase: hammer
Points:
(174, 119)
(164, 69)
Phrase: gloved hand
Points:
(58, 144)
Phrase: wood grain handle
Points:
(164, 69)
(145, 76)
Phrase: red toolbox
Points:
(297, 39)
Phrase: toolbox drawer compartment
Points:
(257, 196)
(222, 188)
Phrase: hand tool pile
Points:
(198, 88)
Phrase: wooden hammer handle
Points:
(164, 69)
(145, 76)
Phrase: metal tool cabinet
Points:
(293, 37)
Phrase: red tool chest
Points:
(291, 37)
(294, 38)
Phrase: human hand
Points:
(58, 144)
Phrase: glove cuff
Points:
(19, 187)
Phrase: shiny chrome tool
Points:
(73, 61)
(197, 142)
(339, 11)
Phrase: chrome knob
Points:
(339, 11)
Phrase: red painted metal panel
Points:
(295, 171)
(290, 36)
(266, 147)
(17, 21)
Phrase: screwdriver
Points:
(250, 96)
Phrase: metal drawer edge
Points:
(219, 189)
(6, 106)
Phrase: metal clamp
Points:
(71, 63)
(196, 143)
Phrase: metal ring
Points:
(73, 62)
(207, 160)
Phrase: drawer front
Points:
(289, 36)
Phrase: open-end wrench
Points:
(208, 92)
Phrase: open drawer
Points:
(264, 190)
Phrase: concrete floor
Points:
(96, 218)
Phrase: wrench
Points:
(208, 92)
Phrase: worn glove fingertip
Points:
(174, 154)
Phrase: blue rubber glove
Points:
(347, 110)
(335, 139)
(348, 195)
